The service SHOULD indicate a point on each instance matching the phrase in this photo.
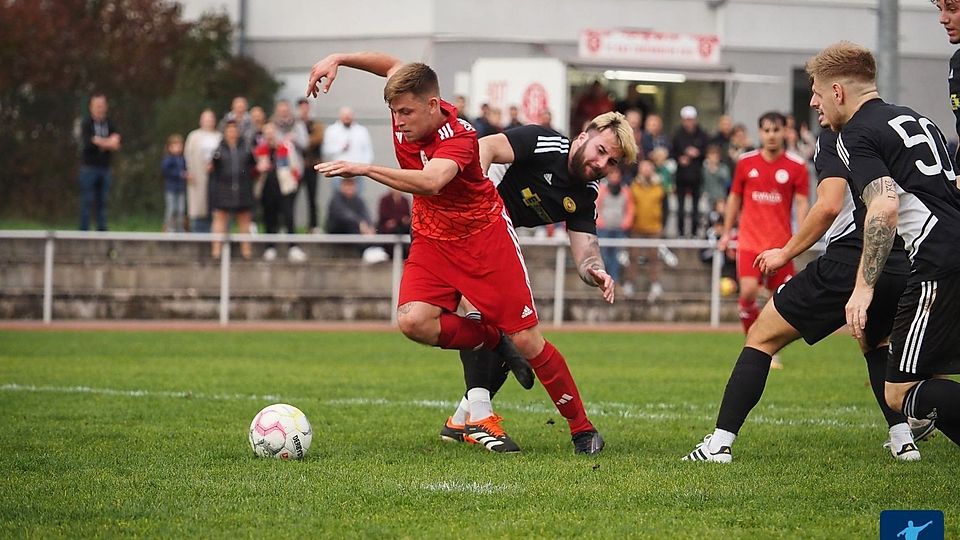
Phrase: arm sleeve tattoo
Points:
(879, 229)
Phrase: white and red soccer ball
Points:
(280, 431)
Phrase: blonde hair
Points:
(844, 60)
(418, 79)
(618, 123)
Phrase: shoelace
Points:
(491, 425)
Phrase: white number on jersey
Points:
(935, 143)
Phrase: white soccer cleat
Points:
(903, 452)
(922, 429)
(702, 452)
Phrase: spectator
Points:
(664, 167)
(311, 156)
(347, 140)
(514, 117)
(232, 171)
(482, 122)
(289, 127)
(393, 216)
(634, 118)
(648, 196)
(460, 102)
(653, 136)
(614, 219)
(739, 143)
(347, 213)
(546, 120)
(174, 168)
(278, 189)
(721, 139)
(198, 151)
(257, 119)
(99, 140)
(494, 120)
(716, 176)
(689, 143)
(238, 113)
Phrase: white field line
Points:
(457, 486)
(680, 411)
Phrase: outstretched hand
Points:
(322, 76)
(604, 282)
(343, 169)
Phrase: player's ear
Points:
(433, 103)
(838, 92)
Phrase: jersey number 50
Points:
(936, 143)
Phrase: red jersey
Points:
(469, 203)
(767, 190)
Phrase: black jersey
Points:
(845, 236)
(889, 140)
(953, 83)
(537, 188)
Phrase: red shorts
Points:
(487, 268)
(772, 282)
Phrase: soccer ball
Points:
(728, 286)
(280, 431)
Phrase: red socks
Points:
(460, 333)
(554, 375)
(749, 311)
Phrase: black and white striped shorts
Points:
(926, 331)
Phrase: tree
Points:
(158, 72)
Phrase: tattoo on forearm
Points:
(881, 187)
(878, 237)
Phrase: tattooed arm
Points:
(586, 253)
(879, 230)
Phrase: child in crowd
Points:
(174, 168)
(716, 178)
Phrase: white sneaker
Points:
(667, 256)
(296, 255)
(903, 452)
(656, 291)
(270, 254)
(702, 452)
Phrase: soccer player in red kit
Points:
(767, 184)
(463, 240)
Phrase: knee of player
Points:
(414, 326)
(529, 342)
(894, 396)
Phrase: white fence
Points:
(51, 238)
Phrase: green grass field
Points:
(145, 434)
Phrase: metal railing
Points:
(397, 242)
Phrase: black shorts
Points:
(814, 301)
(926, 331)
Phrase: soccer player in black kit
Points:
(899, 166)
(811, 306)
(543, 177)
(950, 19)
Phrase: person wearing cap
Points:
(689, 144)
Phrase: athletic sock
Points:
(877, 368)
(744, 389)
(551, 368)
(721, 438)
(749, 311)
(460, 415)
(457, 332)
(937, 399)
(479, 404)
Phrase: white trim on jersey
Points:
(497, 171)
(516, 243)
(842, 151)
(844, 223)
(551, 144)
(795, 158)
(911, 348)
(915, 223)
(749, 154)
(595, 185)
(445, 131)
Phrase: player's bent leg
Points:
(552, 370)
(420, 322)
(767, 336)
(747, 302)
(902, 441)
(936, 398)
